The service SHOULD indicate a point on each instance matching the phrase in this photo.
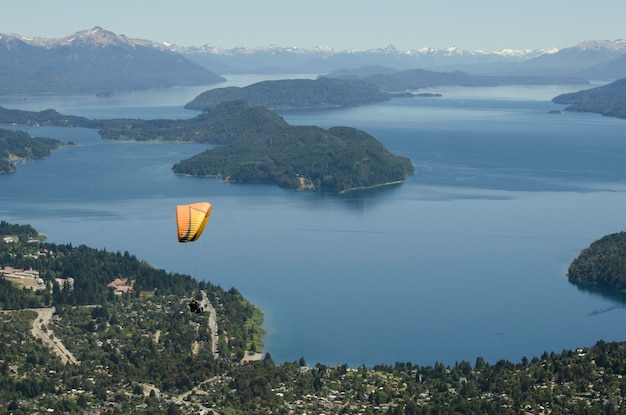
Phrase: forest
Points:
(258, 147)
(17, 145)
(608, 100)
(92, 271)
(144, 352)
(336, 159)
(291, 94)
(603, 263)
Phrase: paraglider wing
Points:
(191, 220)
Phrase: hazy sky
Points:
(339, 24)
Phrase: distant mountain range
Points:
(102, 62)
(592, 60)
(95, 61)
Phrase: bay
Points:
(467, 258)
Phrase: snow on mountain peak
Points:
(618, 45)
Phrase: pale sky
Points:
(339, 24)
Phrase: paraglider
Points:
(196, 307)
(191, 220)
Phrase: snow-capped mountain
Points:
(93, 60)
(278, 59)
(100, 60)
(594, 59)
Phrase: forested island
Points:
(264, 148)
(603, 263)
(350, 89)
(415, 79)
(256, 146)
(291, 94)
(18, 146)
(608, 100)
(142, 351)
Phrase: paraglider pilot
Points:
(195, 307)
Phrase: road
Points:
(208, 308)
(44, 316)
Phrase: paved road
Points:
(44, 316)
(208, 308)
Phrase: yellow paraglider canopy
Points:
(191, 220)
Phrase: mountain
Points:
(100, 61)
(96, 61)
(594, 59)
(276, 59)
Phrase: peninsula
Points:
(602, 263)
(608, 100)
(18, 146)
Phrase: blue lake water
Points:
(467, 258)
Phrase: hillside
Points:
(290, 94)
(415, 79)
(18, 146)
(260, 147)
(362, 86)
(591, 60)
(609, 100)
(602, 263)
(337, 159)
(93, 61)
(144, 352)
(115, 344)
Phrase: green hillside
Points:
(290, 94)
(608, 100)
(602, 263)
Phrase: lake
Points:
(467, 258)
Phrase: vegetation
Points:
(143, 352)
(573, 382)
(17, 145)
(608, 100)
(45, 117)
(293, 94)
(414, 79)
(602, 263)
(23, 232)
(259, 147)
(94, 61)
(337, 159)
(80, 276)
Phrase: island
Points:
(264, 148)
(254, 145)
(608, 100)
(295, 94)
(602, 263)
(416, 79)
(351, 89)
